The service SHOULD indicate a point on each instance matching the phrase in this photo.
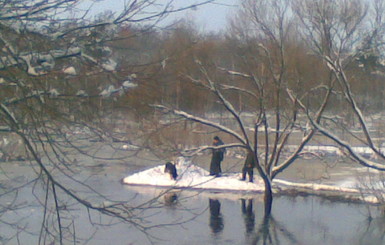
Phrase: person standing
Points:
(248, 167)
(217, 157)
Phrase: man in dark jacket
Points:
(249, 166)
(216, 158)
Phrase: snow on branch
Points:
(5, 129)
(111, 90)
(195, 151)
(227, 104)
(354, 154)
(38, 63)
(8, 114)
(342, 78)
(228, 87)
(282, 166)
(32, 9)
(108, 65)
(234, 73)
(201, 120)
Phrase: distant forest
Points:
(167, 62)
(169, 65)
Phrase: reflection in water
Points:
(170, 199)
(248, 215)
(297, 220)
(271, 232)
(373, 231)
(216, 219)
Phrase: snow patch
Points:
(129, 147)
(128, 84)
(70, 71)
(81, 93)
(110, 65)
(108, 91)
(53, 92)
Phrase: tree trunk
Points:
(268, 198)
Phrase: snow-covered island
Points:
(193, 177)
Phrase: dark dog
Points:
(171, 169)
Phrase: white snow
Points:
(53, 92)
(70, 71)
(193, 177)
(130, 147)
(128, 84)
(110, 65)
(108, 91)
(81, 93)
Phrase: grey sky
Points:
(210, 17)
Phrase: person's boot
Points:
(243, 176)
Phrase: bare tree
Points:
(263, 79)
(296, 62)
(344, 34)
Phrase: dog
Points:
(171, 169)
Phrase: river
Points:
(184, 217)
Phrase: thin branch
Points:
(195, 151)
(202, 121)
(226, 103)
(349, 148)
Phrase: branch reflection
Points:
(271, 232)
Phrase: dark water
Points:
(232, 219)
(185, 217)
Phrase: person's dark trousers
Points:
(215, 168)
(249, 171)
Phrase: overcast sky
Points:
(210, 17)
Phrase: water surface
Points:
(180, 217)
